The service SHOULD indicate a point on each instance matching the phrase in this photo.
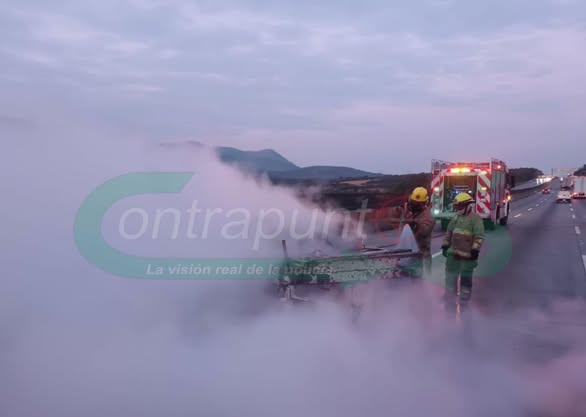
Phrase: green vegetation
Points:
(525, 174)
(379, 191)
(581, 171)
(398, 185)
(320, 173)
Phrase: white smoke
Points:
(77, 341)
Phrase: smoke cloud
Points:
(76, 341)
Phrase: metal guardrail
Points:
(526, 192)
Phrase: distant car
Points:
(546, 191)
(564, 195)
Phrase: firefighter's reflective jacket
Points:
(422, 225)
(465, 233)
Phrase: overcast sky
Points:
(380, 85)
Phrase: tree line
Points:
(581, 171)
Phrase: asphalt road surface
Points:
(547, 255)
(529, 269)
(539, 256)
(532, 265)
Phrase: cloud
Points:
(132, 47)
(143, 88)
(35, 57)
(239, 64)
(10, 123)
(235, 19)
(526, 62)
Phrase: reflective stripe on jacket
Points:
(464, 234)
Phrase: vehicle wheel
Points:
(505, 219)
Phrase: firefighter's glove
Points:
(445, 250)
(474, 254)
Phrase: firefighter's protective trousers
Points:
(465, 233)
(463, 268)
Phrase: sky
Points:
(383, 86)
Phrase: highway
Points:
(547, 252)
(541, 254)
(548, 255)
(529, 184)
(531, 265)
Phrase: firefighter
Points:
(461, 246)
(422, 223)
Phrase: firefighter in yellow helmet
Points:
(461, 246)
(421, 222)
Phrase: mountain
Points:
(320, 172)
(266, 160)
(275, 165)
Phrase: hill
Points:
(265, 160)
(320, 173)
(525, 174)
(276, 166)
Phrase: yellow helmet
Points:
(419, 195)
(463, 198)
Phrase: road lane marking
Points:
(578, 231)
(574, 216)
(584, 261)
(435, 255)
(530, 208)
(518, 215)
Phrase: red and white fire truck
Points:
(489, 183)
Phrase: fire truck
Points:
(489, 183)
